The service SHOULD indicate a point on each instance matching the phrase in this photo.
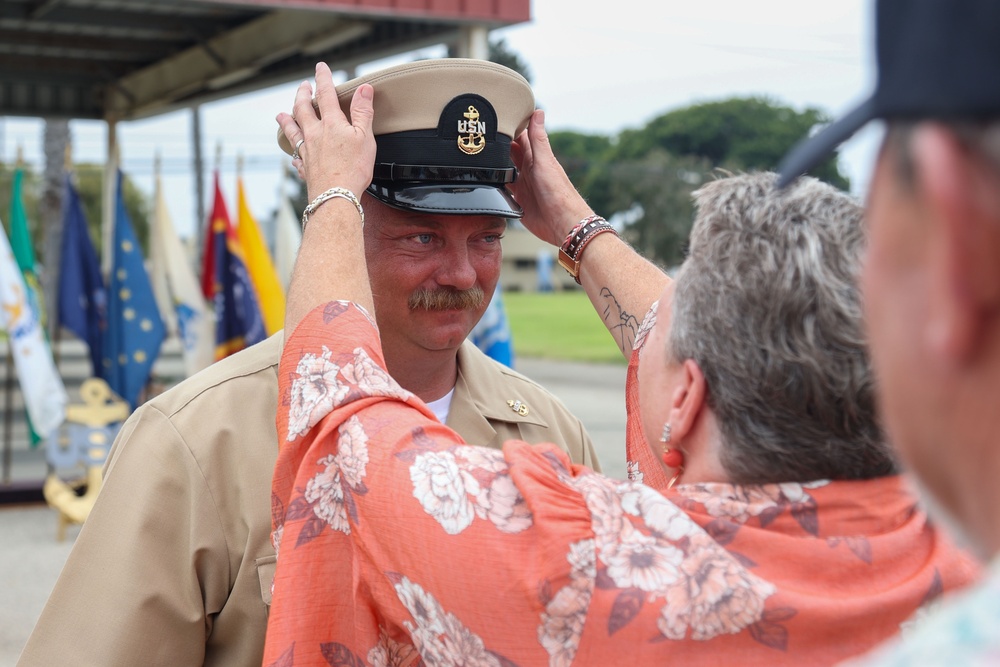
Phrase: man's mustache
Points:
(447, 299)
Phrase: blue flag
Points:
(492, 333)
(82, 297)
(135, 328)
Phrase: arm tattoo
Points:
(622, 324)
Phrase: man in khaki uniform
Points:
(174, 565)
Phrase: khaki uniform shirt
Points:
(174, 564)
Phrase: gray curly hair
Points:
(767, 304)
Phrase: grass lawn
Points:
(558, 325)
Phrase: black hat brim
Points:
(810, 152)
(469, 199)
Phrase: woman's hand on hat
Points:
(335, 151)
(551, 204)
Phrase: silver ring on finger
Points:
(295, 152)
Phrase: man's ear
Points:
(962, 202)
(687, 400)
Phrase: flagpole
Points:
(199, 172)
(57, 325)
(8, 426)
(110, 184)
(148, 388)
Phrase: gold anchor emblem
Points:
(474, 130)
(518, 406)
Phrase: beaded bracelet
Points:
(332, 193)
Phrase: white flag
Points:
(178, 293)
(43, 390)
(158, 269)
(287, 239)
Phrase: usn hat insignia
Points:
(469, 122)
(471, 132)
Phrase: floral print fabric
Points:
(400, 545)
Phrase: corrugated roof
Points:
(128, 59)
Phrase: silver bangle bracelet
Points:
(332, 193)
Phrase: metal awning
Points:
(129, 59)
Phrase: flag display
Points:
(175, 286)
(82, 306)
(492, 333)
(287, 239)
(24, 253)
(43, 390)
(225, 281)
(270, 295)
(135, 328)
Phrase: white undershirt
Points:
(441, 406)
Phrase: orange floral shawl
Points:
(398, 545)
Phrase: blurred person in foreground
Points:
(932, 285)
(174, 565)
(773, 532)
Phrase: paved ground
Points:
(595, 394)
(31, 558)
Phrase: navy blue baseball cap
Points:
(936, 59)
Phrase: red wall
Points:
(490, 11)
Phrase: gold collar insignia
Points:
(519, 406)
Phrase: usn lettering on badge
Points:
(471, 132)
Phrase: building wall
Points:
(519, 271)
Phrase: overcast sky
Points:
(591, 71)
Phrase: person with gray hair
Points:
(767, 306)
(768, 527)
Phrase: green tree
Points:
(655, 191)
(652, 171)
(90, 185)
(736, 134)
(586, 159)
(502, 54)
(89, 179)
